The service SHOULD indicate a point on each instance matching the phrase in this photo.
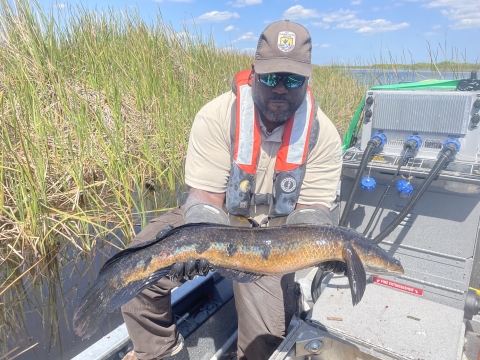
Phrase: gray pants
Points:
(264, 309)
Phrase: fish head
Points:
(383, 267)
(375, 260)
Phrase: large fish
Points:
(240, 253)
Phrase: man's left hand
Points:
(189, 269)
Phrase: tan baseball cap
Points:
(284, 46)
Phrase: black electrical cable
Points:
(444, 157)
(385, 193)
(371, 145)
(316, 287)
(407, 149)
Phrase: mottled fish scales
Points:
(240, 253)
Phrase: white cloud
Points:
(299, 12)
(371, 26)
(338, 16)
(347, 19)
(218, 16)
(320, 24)
(228, 28)
(462, 13)
(248, 36)
(243, 3)
(430, 34)
(436, 27)
(376, 8)
(325, 45)
(356, 2)
(60, 5)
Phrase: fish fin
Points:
(237, 275)
(128, 292)
(160, 236)
(103, 298)
(357, 278)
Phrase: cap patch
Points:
(286, 41)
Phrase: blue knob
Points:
(416, 139)
(368, 183)
(452, 141)
(382, 137)
(404, 187)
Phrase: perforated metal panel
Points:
(436, 112)
(434, 116)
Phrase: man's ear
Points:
(250, 76)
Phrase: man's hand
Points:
(337, 267)
(202, 207)
(310, 215)
(187, 270)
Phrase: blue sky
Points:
(349, 31)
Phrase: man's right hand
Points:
(202, 206)
(189, 269)
(337, 267)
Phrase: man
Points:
(261, 154)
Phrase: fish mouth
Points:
(393, 270)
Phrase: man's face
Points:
(277, 104)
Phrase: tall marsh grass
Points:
(95, 112)
(96, 108)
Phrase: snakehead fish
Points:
(240, 253)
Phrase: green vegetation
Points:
(96, 110)
(440, 67)
(442, 60)
(95, 113)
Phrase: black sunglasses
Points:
(290, 81)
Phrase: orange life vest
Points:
(300, 135)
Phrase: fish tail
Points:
(104, 297)
(357, 278)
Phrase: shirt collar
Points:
(275, 135)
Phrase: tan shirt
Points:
(208, 160)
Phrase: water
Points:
(40, 307)
(384, 77)
(36, 312)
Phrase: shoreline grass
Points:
(95, 112)
(92, 110)
(96, 107)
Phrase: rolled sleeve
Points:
(207, 165)
(324, 166)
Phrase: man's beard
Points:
(274, 116)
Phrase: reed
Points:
(96, 109)
(95, 112)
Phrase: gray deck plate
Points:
(386, 322)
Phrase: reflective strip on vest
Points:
(245, 127)
(296, 136)
(294, 148)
